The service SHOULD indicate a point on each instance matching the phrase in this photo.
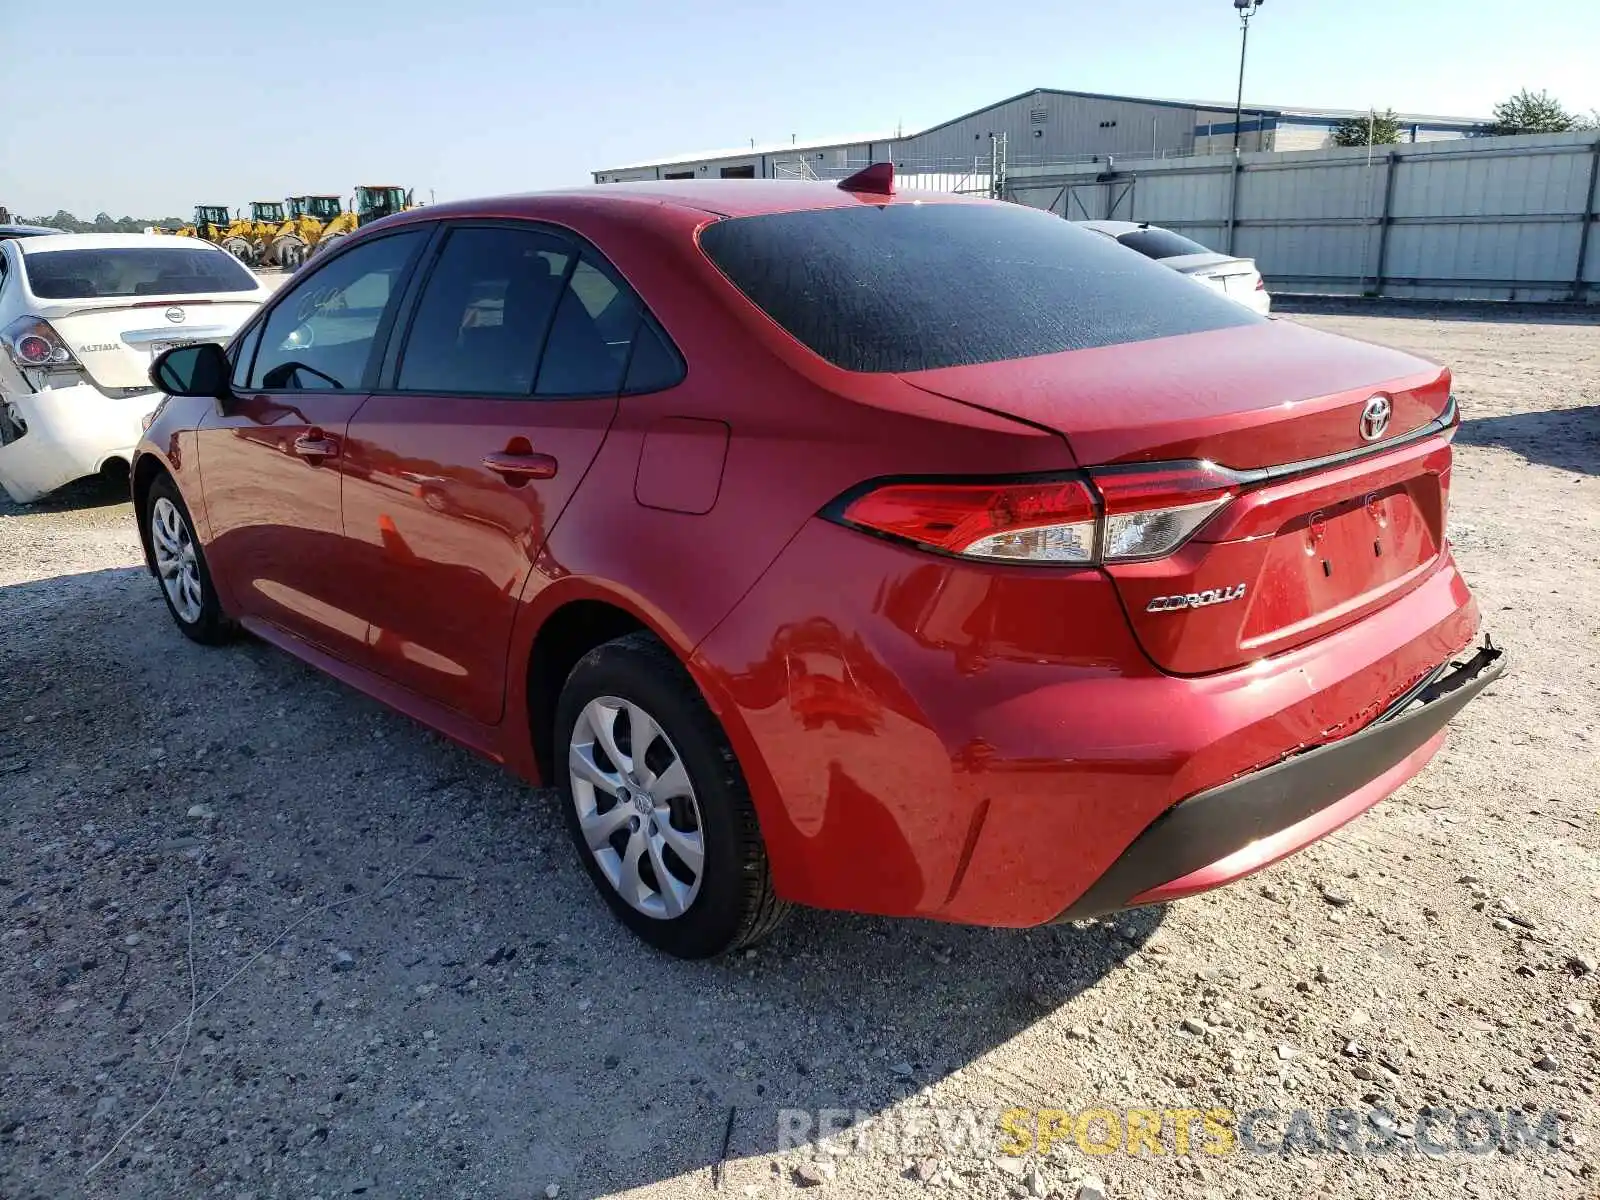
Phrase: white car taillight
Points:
(33, 342)
(1117, 514)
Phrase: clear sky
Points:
(148, 110)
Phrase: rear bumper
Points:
(1230, 831)
(71, 432)
(925, 737)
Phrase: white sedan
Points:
(81, 317)
(1236, 278)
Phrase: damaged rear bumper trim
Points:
(1213, 825)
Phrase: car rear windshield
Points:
(134, 271)
(910, 287)
(1161, 243)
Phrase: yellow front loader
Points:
(372, 202)
(275, 238)
(211, 222)
(311, 218)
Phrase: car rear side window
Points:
(134, 271)
(654, 364)
(587, 353)
(485, 312)
(319, 335)
(910, 287)
(1161, 243)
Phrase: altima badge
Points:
(1195, 599)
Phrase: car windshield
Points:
(1161, 243)
(134, 271)
(908, 287)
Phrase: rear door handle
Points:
(315, 446)
(516, 468)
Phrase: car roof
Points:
(110, 241)
(22, 231)
(720, 197)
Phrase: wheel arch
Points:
(566, 620)
(565, 634)
(147, 468)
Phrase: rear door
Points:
(270, 459)
(496, 401)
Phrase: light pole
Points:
(1247, 9)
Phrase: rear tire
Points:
(683, 790)
(181, 569)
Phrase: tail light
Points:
(1261, 284)
(33, 342)
(1116, 514)
(1050, 520)
(1152, 510)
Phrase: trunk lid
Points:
(1234, 277)
(116, 339)
(1305, 546)
(1209, 264)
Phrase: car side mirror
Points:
(198, 370)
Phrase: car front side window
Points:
(319, 336)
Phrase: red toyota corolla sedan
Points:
(823, 545)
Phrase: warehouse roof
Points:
(758, 148)
(1253, 110)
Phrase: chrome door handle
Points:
(516, 468)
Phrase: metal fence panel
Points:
(1487, 218)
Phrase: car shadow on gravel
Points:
(1566, 438)
(423, 995)
(106, 490)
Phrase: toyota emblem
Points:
(1375, 418)
(176, 315)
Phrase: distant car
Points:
(81, 317)
(810, 578)
(21, 231)
(1236, 278)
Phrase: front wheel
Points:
(657, 806)
(181, 567)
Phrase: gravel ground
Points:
(403, 985)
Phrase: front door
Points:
(500, 397)
(271, 458)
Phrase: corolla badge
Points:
(1196, 599)
(176, 315)
(1375, 416)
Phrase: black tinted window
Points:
(135, 271)
(594, 326)
(1161, 243)
(655, 364)
(483, 315)
(906, 287)
(319, 336)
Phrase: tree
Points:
(1374, 129)
(1532, 112)
(104, 223)
(1591, 122)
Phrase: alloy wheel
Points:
(177, 562)
(636, 807)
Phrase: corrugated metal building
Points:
(1045, 125)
